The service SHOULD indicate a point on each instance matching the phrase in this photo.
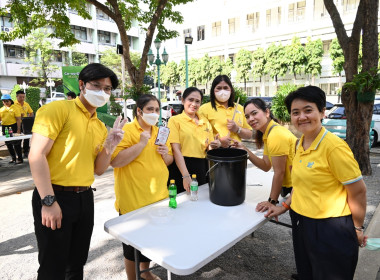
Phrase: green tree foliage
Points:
(295, 57)
(150, 16)
(170, 76)
(115, 108)
(205, 69)
(337, 57)
(243, 66)
(314, 55)
(239, 93)
(40, 54)
(78, 59)
(227, 67)
(275, 61)
(258, 63)
(278, 107)
(33, 97)
(216, 67)
(195, 76)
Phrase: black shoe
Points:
(13, 160)
(295, 276)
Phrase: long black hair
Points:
(215, 82)
(261, 105)
(187, 92)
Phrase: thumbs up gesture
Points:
(216, 143)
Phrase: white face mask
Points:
(150, 119)
(96, 98)
(222, 95)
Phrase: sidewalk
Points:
(260, 257)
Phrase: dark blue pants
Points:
(62, 253)
(324, 248)
(14, 146)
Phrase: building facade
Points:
(95, 36)
(223, 27)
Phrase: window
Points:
(291, 13)
(350, 5)
(187, 33)
(216, 28)
(104, 37)
(268, 18)
(301, 7)
(278, 15)
(376, 109)
(326, 47)
(333, 88)
(232, 58)
(79, 32)
(15, 52)
(57, 56)
(201, 32)
(231, 26)
(6, 24)
(296, 11)
(253, 21)
(101, 15)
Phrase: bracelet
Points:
(359, 228)
(239, 130)
(286, 205)
(188, 175)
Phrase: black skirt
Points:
(196, 166)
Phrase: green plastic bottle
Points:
(6, 132)
(172, 194)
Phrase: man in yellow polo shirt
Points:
(26, 111)
(69, 145)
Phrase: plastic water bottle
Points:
(10, 132)
(172, 194)
(194, 188)
(6, 132)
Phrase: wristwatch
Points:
(272, 201)
(48, 200)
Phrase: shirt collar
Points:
(139, 128)
(270, 124)
(314, 146)
(79, 103)
(186, 117)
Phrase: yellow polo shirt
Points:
(9, 114)
(319, 175)
(78, 138)
(280, 142)
(25, 109)
(194, 138)
(218, 118)
(142, 181)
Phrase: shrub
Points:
(33, 97)
(278, 107)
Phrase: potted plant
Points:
(365, 84)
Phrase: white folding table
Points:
(19, 137)
(196, 232)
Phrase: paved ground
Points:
(266, 255)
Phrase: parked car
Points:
(56, 96)
(338, 112)
(267, 99)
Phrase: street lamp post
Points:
(188, 41)
(50, 83)
(158, 62)
(24, 86)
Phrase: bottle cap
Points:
(172, 181)
(194, 176)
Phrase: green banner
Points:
(70, 78)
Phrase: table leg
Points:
(137, 265)
(169, 275)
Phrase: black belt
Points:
(58, 188)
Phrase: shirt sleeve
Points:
(278, 143)
(50, 120)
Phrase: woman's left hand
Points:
(362, 239)
(162, 150)
(232, 126)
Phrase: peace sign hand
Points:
(115, 135)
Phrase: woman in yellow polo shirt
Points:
(10, 117)
(279, 147)
(220, 111)
(140, 169)
(328, 202)
(190, 137)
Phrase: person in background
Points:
(70, 144)
(328, 202)
(140, 169)
(279, 148)
(26, 111)
(43, 102)
(71, 95)
(10, 117)
(190, 137)
(220, 111)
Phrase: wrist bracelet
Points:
(359, 228)
(272, 201)
(239, 130)
(287, 207)
(188, 175)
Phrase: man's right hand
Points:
(51, 216)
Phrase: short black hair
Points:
(96, 71)
(309, 93)
(72, 94)
(215, 82)
(20, 92)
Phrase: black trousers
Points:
(324, 248)
(62, 253)
(14, 147)
(196, 166)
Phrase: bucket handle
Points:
(212, 167)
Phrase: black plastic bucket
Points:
(227, 176)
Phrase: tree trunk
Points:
(359, 115)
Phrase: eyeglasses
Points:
(98, 87)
